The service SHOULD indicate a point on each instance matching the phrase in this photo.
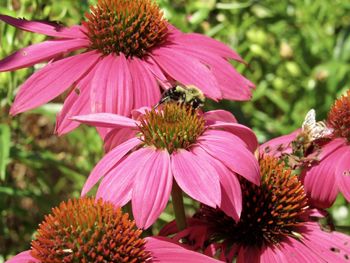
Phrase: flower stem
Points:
(178, 204)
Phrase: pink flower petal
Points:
(107, 120)
(187, 70)
(249, 255)
(342, 171)
(295, 251)
(231, 194)
(277, 146)
(116, 137)
(165, 250)
(23, 257)
(157, 72)
(209, 45)
(36, 53)
(46, 28)
(196, 178)
(321, 243)
(146, 89)
(233, 85)
(110, 160)
(52, 80)
(243, 132)
(231, 150)
(151, 193)
(271, 254)
(117, 186)
(76, 103)
(320, 182)
(215, 116)
(116, 94)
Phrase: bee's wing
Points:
(310, 120)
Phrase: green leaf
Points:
(5, 138)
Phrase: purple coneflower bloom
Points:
(325, 166)
(202, 153)
(87, 230)
(275, 225)
(122, 52)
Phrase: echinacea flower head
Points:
(275, 225)
(202, 153)
(89, 230)
(118, 60)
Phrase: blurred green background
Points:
(298, 54)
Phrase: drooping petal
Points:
(146, 90)
(23, 257)
(110, 160)
(151, 193)
(295, 251)
(187, 70)
(249, 254)
(342, 171)
(271, 254)
(116, 137)
(52, 80)
(215, 116)
(46, 28)
(320, 182)
(157, 72)
(76, 103)
(36, 53)
(231, 194)
(165, 250)
(232, 84)
(111, 87)
(231, 150)
(243, 132)
(196, 178)
(107, 120)
(117, 185)
(209, 45)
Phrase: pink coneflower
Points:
(200, 152)
(125, 50)
(324, 162)
(274, 227)
(86, 230)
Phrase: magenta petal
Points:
(117, 185)
(243, 132)
(146, 89)
(209, 45)
(152, 189)
(111, 87)
(167, 251)
(108, 162)
(23, 257)
(157, 72)
(320, 182)
(187, 70)
(76, 103)
(107, 120)
(214, 116)
(231, 194)
(277, 146)
(46, 28)
(51, 81)
(116, 137)
(36, 53)
(296, 252)
(342, 171)
(249, 254)
(231, 150)
(271, 254)
(196, 177)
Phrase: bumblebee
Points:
(188, 95)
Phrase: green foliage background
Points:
(298, 54)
